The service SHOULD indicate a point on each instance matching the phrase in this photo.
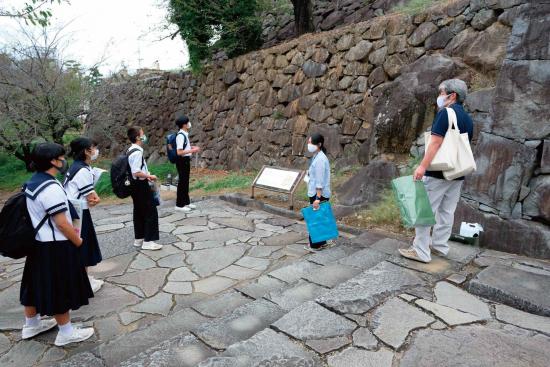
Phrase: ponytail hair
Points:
(79, 146)
(317, 139)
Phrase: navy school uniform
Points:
(79, 183)
(54, 279)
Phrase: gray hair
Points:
(455, 85)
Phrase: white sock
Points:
(32, 321)
(66, 329)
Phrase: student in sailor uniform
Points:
(79, 184)
(183, 164)
(146, 220)
(54, 279)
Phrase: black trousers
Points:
(183, 164)
(146, 218)
(316, 244)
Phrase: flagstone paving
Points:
(235, 287)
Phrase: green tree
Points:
(207, 26)
(36, 12)
(42, 96)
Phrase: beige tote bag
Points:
(446, 155)
(463, 162)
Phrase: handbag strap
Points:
(451, 116)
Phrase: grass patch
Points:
(413, 7)
(13, 171)
(385, 211)
(216, 183)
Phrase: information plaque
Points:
(278, 179)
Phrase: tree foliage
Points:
(35, 12)
(232, 26)
(42, 96)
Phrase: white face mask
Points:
(312, 148)
(95, 155)
(441, 101)
(189, 126)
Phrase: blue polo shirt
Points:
(441, 125)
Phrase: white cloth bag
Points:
(463, 162)
(445, 156)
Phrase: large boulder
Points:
(367, 185)
(405, 107)
(516, 236)
(530, 38)
(503, 166)
(537, 204)
(487, 51)
(522, 101)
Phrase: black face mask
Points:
(64, 167)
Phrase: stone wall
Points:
(370, 88)
(278, 21)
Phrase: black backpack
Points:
(17, 234)
(121, 174)
(171, 149)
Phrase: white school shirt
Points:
(81, 185)
(137, 162)
(180, 140)
(52, 200)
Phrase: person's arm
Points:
(435, 144)
(181, 144)
(146, 176)
(67, 228)
(84, 181)
(135, 161)
(92, 198)
(319, 184)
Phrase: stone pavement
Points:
(234, 287)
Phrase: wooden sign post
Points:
(278, 179)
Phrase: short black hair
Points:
(133, 133)
(182, 120)
(317, 139)
(43, 154)
(79, 146)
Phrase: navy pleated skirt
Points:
(90, 253)
(54, 279)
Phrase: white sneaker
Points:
(95, 283)
(138, 243)
(192, 206)
(185, 209)
(151, 246)
(45, 325)
(77, 335)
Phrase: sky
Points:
(119, 32)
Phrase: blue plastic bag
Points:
(321, 223)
